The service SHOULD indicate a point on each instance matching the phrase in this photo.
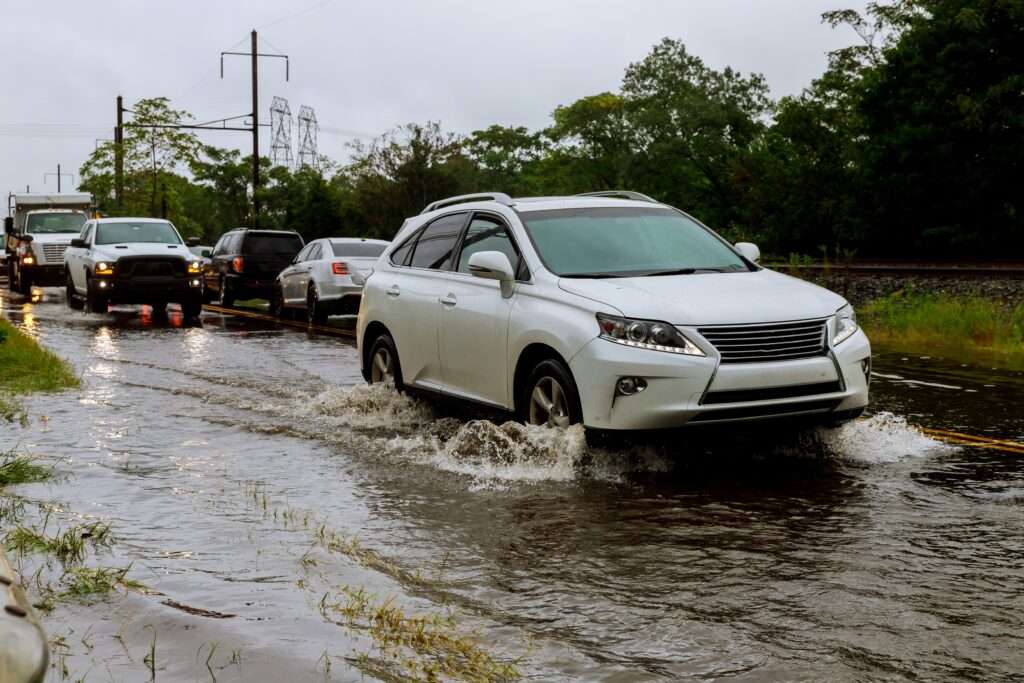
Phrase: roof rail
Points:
(623, 194)
(499, 197)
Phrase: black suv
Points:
(244, 264)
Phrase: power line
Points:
(292, 16)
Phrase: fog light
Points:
(194, 283)
(628, 386)
(103, 284)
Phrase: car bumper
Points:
(689, 390)
(148, 290)
(246, 288)
(339, 298)
(43, 275)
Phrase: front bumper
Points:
(43, 275)
(146, 290)
(689, 390)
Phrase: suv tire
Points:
(191, 308)
(384, 365)
(550, 397)
(227, 297)
(277, 303)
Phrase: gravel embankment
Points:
(861, 288)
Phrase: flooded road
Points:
(287, 522)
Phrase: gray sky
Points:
(363, 66)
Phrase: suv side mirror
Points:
(206, 253)
(749, 250)
(493, 265)
(8, 223)
(79, 243)
(192, 242)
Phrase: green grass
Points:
(27, 368)
(971, 323)
(20, 469)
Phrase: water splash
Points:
(883, 437)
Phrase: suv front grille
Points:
(54, 253)
(769, 341)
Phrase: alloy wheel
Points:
(383, 369)
(548, 404)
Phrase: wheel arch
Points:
(528, 359)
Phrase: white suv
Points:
(608, 309)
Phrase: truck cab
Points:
(37, 230)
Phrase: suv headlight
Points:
(104, 268)
(846, 324)
(646, 334)
(195, 267)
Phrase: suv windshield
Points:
(43, 223)
(272, 244)
(142, 231)
(626, 242)
(358, 249)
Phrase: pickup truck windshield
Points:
(121, 233)
(48, 223)
(626, 242)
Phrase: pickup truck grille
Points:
(768, 342)
(150, 266)
(54, 253)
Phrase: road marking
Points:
(971, 440)
(279, 321)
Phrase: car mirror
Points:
(357, 276)
(206, 253)
(493, 265)
(192, 242)
(8, 223)
(27, 238)
(79, 243)
(749, 250)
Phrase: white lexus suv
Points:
(607, 309)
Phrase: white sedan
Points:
(320, 279)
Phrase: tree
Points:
(151, 148)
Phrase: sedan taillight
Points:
(339, 268)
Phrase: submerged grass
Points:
(16, 468)
(974, 323)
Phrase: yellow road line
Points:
(272, 319)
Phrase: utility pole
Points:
(58, 174)
(255, 137)
(119, 154)
(58, 178)
(254, 55)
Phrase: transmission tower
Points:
(280, 133)
(307, 138)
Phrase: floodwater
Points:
(254, 484)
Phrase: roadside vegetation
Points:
(972, 323)
(28, 368)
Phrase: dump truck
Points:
(38, 228)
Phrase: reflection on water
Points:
(223, 454)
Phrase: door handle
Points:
(449, 300)
(393, 290)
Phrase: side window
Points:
(315, 254)
(434, 248)
(218, 248)
(301, 256)
(400, 256)
(87, 233)
(488, 234)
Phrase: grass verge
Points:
(28, 368)
(971, 323)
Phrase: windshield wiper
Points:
(591, 275)
(672, 271)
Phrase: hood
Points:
(711, 298)
(53, 237)
(112, 252)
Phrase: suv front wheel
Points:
(550, 397)
(384, 365)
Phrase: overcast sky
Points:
(363, 66)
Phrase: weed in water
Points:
(88, 581)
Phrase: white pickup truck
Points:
(132, 261)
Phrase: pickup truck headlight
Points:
(646, 334)
(104, 268)
(195, 267)
(846, 324)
